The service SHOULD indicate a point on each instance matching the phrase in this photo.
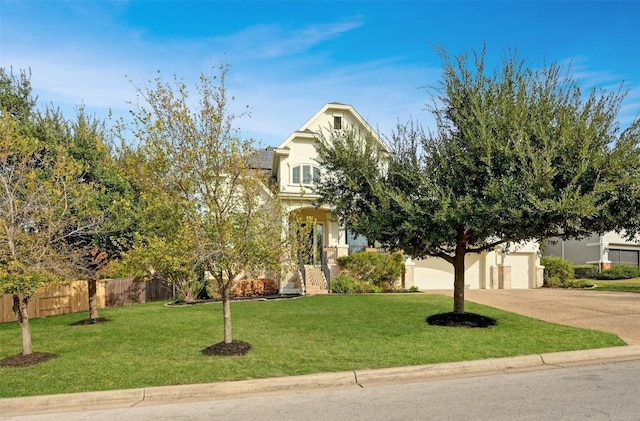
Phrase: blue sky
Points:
(289, 58)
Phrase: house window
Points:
(337, 122)
(624, 257)
(305, 174)
(296, 175)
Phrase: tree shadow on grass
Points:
(90, 322)
(461, 320)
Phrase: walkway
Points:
(616, 312)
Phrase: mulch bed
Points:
(90, 321)
(26, 360)
(461, 320)
(235, 348)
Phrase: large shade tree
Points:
(206, 208)
(517, 154)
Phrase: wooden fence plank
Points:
(6, 308)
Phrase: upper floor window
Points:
(305, 174)
(337, 122)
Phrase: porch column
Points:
(342, 247)
(504, 277)
(409, 270)
(539, 276)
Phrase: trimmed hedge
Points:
(250, 287)
(585, 271)
(378, 269)
(247, 287)
(619, 272)
(556, 267)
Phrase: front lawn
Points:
(620, 285)
(153, 345)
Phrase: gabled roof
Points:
(262, 159)
(308, 131)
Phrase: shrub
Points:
(343, 284)
(361, 287)
(578, 283)
(619, 272)
(585, 271)
(553, 282)
(376, 289)
(379, 269)
(414, 288)
(557, 267)
(248, 287)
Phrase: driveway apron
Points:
(615, 312)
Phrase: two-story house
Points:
(294, 167)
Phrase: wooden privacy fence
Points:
(72, 297)
(125, 291)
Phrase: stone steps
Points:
(316, 282)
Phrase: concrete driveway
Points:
(616, 312)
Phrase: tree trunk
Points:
(458, 279)
(93, 299)
(21, 310)
(226, 314)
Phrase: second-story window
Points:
(337, 122)
(305, 174)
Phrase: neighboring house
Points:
(293, 169)
(604, 250)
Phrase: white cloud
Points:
(276, 41)
(272, 71)
(285, 74)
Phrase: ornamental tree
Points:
(43, 203)
(203, 200)
(517, 154)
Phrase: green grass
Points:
(152, 345)
(621, 285)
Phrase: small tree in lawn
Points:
(109, 203)
(197, 179)
(171, 254)
(517, 154)
(41, 207)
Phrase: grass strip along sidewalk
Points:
(621, 285)
(154, 345)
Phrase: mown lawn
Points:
(152, 345)
(621, 285)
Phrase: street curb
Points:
(363, 378)
(76, 401)
(573, 357)
(246, 387)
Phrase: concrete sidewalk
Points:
(615, 312)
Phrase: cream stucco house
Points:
(293, 167)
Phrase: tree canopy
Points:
(206, 208)
(44, 204)
(517, 154)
